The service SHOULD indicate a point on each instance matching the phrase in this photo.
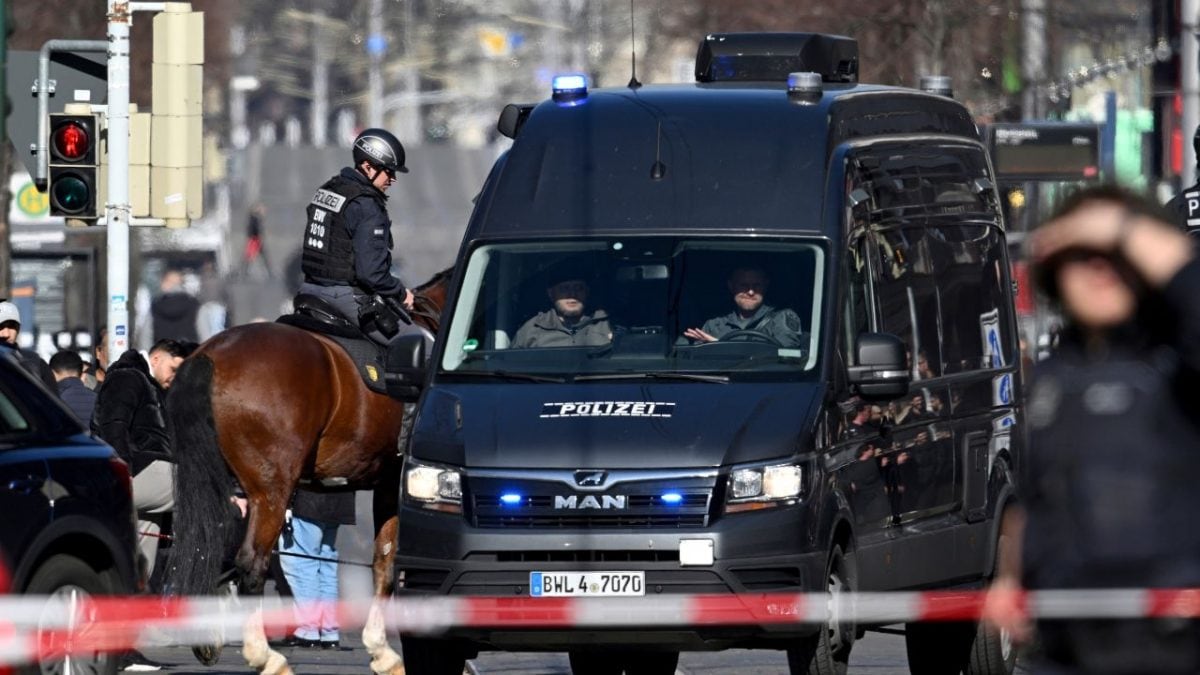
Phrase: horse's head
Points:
(429, 298)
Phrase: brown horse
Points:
(267, 405)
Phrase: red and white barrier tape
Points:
(38, 628)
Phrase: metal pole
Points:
(1189, 76)
(1033, 66)
(118, 209)
(320, 108)
(1108, 144)
(374, 76)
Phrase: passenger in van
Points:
(749, 287)
(566, 323)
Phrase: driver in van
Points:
(566, 323)
(751, 313)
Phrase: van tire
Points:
(939, 648)
(66, 574)
(828, 652)
(992, 653)
(425, 656)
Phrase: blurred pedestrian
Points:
(93, 371)
(311, 570)
(255, 249)
(10, 328)
(1185, 206)
(1110, 499)
(67, 366)
(175, 310)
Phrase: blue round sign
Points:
(376, 44)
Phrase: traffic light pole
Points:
(118, 207)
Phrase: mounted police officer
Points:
(347, 254)
(1186, 205)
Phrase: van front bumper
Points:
(758, 552)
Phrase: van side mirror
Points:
(882, 371)
(405, 375)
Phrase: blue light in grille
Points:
(510, 499)
(671, 498)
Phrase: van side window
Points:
(972, 279)
(907, 295)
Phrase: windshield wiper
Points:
(507, 375)
(654, 375)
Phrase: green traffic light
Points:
(70, 194)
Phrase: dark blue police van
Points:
(750, 334)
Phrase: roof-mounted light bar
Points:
(771, 57)
(804, 88)
(569, 89)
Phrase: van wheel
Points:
(828, 652)
(942, 648)
(424, 656)
(992, 653)
(70, 581)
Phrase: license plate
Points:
(591, 584)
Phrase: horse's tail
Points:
(203, 522)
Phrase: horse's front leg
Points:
(262, 531)
(385, 508)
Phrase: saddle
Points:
(315, 315)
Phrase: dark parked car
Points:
(68, 527)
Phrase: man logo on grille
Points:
(590, 478)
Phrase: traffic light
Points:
(72, 186)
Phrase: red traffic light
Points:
(71, 141)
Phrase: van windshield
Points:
(702, 309)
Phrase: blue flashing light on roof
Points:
(569, 89)
(671, 498)
(510, 499)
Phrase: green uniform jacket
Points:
(547, 330)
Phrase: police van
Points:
(745, 335)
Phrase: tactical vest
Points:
(328, 248)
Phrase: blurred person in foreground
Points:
(1110, 497)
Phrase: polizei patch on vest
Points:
(607, 409)
(329, 200)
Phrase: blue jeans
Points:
(314, 582)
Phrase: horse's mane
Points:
(440, 277)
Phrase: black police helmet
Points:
(1196, 143)
(381, 149)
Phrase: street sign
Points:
(78, 78)
(1044, 151)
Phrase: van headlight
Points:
(761, 487)
(437, 488)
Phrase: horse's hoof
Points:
(207, 654)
